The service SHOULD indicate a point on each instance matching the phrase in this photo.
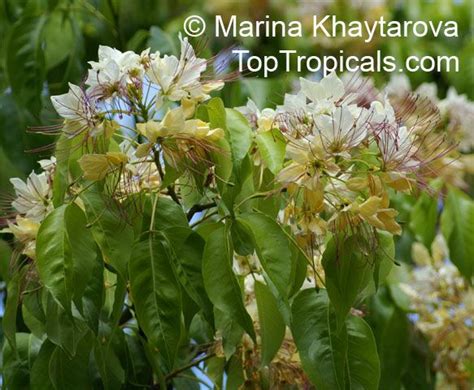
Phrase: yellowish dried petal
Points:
(357, 183)
(143, 150)
(370, 206)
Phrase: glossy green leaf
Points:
(458, 229)
(271, 145)
(113, 234)
(17, 363)
(383, 259)
(186, 249)
(156, 296)
(273, 249)
(106, 348)
(5, 257)
(333, 359)
(68, 372)
(66, 254)
(11, 308)
(239, 135)
(59, 37)
(347, 273)
(219, 279)
(423, 219)
(272, 326)
(322, 350)
(362, 357)
(61, 328)
(39, 376)
(230, 330)
(25, 61)
(391, 331)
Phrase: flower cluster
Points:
(148, 100)
(152, 99)
(456, 118)
(345, 154)
(443, 306)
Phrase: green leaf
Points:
(90, 305)
(32, 309)
(423, 218)
(11, 308)
(323, 352)
(390, 326)
(272, 326)
(65, 254)
(347, 273)
(273, 249)
(235, 374)
(17, 363)
(186, 248)
(363, 360)
(333, 359)
(138, 369)
(382, 259)
(25, 61)
(156, 296)
(68, 372)
(169, 214)
(230, 330)
(271, 145)
(162, 41)
(59, 37)
(5, 257)
(106, 349)
(457, 225)
(39, 376)
(239, 135)
(61, 328)
(219, 279)
(113, 235)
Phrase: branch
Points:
(171, 191)
(186, 367)
(199, 207)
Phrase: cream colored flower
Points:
(33, 197)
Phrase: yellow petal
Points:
(174, 120)
(117, 158)
(189, 107)
(143, 150)
(357, 183)
(370, 206)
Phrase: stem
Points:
(199, 207)
(206, 217)
(191, 364)
(171, 191)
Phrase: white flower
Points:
(261, 120)
(113, 71)
(139, 173)
(329, 88)
(77, 108)
(398, 86)
(461, 117)
(179, 79)
(342, 130)
(293, 103)
(382, 113)
(25, 231)
(33, 196)
(397, 148)
(48, 165)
